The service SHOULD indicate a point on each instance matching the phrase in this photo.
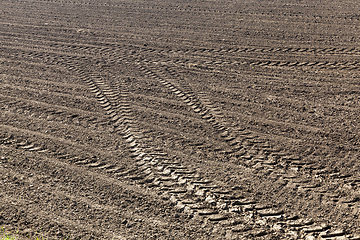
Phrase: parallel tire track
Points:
(176, 182)
(172, 179)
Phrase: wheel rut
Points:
(221, 166)
(170, 183)
(166, 174)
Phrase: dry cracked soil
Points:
(179, 119)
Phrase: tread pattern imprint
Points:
(179, 120)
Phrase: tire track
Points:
(269, 162)
(204, 189)
(170, 86)
(242, 204)
(80, 191)
(253, 219)
(205, 64)
(179, 93)
(308, 186)
(238, 140)
(92, 48)
(304, 187)
(110, 46)
(204, 111)
(169, 182)
(222, 65)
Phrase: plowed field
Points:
(163, 119)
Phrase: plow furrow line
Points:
(204, 111)
(188, 191)
(171, 87)
(54, 145)
(215, 203)
(216, 111)
(88, 51)
(210, 64)
(87, 193)
(198, 9)
(279, 50)
(266, 162)
(184, 187)
(222, 65)
(68, 112)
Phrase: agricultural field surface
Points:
(180, 119)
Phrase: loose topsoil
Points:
(180, 119)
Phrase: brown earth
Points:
(180, 119)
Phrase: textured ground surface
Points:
(180, 119)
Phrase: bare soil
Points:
(180, 119)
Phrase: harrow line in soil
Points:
(90, 202)
(53, 146)
(251, 182)
(147, 158)
(206, 112)
(46, 107)
(219, 217)
(110, 102)
(171, 87)
(334, 65)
